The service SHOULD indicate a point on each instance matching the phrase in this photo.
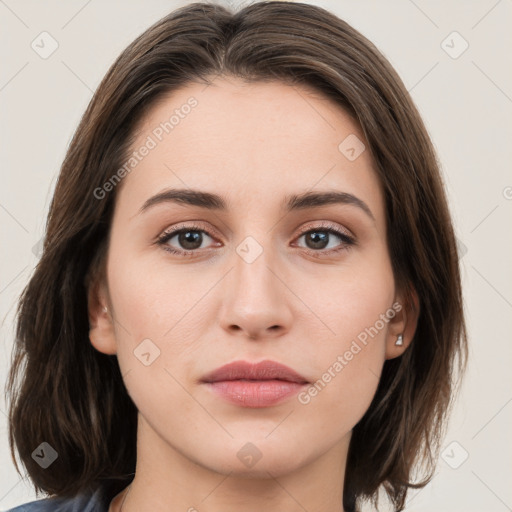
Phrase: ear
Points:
(403, 323)
(101, 324)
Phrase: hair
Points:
(73, 397)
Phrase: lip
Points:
(254, 384)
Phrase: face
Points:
(258, 274)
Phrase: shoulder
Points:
(77, 504)
(93, 501)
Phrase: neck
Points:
(165, 479)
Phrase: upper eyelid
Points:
(327, 225)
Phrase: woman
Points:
(249, 295)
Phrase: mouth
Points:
(254, 385)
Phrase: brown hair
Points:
(73, 397)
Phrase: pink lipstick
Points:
(254, 385)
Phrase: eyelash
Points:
(348, 241)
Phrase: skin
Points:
(253, 144)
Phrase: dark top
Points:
(94, 501)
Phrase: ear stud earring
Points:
(104, 309)
(399, 341)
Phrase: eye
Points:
(321, 240)
(189, 239)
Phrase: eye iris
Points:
(186, 238)
(319, 239)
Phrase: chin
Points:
(257, 459)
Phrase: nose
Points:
(256, 299)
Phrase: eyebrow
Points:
(291, 202)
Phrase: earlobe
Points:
(403, 327)
(101, 325)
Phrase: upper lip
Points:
(264, 370)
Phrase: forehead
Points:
(250, 141)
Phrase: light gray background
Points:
(465, 102)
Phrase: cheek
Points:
(162, 319)
(347, 358)
(350, 299)
(151, 300)
(153, 332)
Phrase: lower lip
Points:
(263, 393)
